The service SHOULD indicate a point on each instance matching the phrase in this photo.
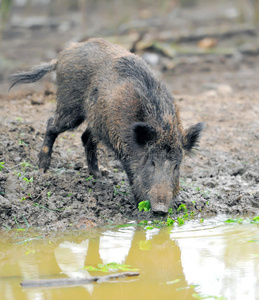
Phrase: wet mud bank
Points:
(223, 177)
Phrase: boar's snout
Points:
(160, 198)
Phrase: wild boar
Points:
(125, 107)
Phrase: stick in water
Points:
(74, 281)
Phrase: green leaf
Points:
(1, 165)
(239, 221)
(173, 281)
(255, 220)
(170, 221)
(182, 207)
(144, 205)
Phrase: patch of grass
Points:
(44, 207)
(239, 221)
(199, 296)
(19, 227)
(120, 189)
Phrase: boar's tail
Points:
(33, 75)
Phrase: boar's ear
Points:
(143, 133)
(192, 136)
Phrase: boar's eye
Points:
(153, 163)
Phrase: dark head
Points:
(156, 156)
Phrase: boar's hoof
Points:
(160, 209)
(44, 161)
(95, 174)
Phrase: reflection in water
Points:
(71, 260)
(217, 260)
(151, 232)
(30, 269)
(215, 257)
(114, 246)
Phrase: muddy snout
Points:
(160, 198)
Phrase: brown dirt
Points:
(223, 177)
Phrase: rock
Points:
(216, 88)
(207, 43)
(151, 58)
(4, 203)
(78, 165)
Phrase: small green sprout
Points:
(22, 143)
(255, 220)
(170, 222)
(170, 211)
(89, 178)
(180, 221)
(182, 207)
(144, 205)
(1, 165)
(28, 180)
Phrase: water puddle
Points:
(209, 260)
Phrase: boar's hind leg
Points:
(54, 128)
(46, 149)
(90, 151)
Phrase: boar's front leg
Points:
(90, 146)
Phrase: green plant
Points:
(170, 211)
(144, 205)
(1, 165)
(182, 207)
(55, 209)
(25, 198)
(239, 221)
(120, 189)
(180, 221)
(170, 222)
(25, 165)
(110, 267)
(89, 178)
(22, 143)
(48, 194)
(255, 220)
(28, 180)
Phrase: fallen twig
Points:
(74, 281)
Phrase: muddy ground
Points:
(219, 89)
